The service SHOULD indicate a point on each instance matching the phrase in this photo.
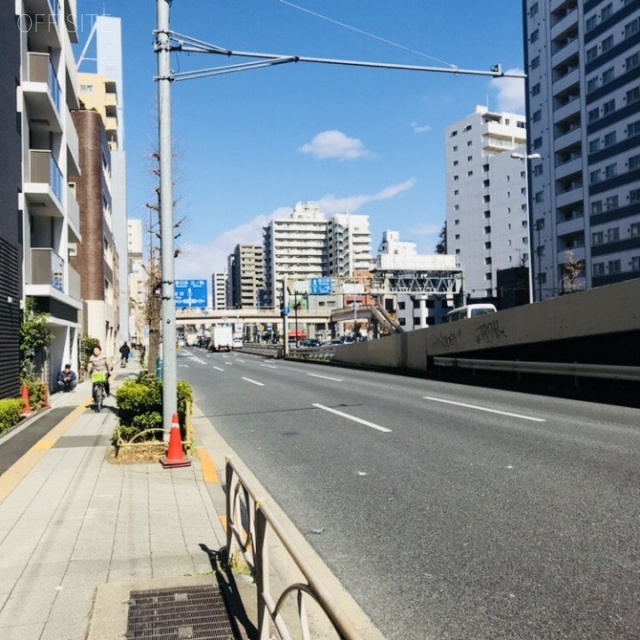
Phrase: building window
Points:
(486, 183)
(592, 54)
(487, 276)
(593, 114)
(525, 224)
(632, 61)
(487, 261)
(401, 306)
(456, 221)
(596, 207)
(469, 173)
(614, 266)
(635, 263)
(608, 75)
(613, 234)
(607, 12)
(416, 321)
(533, 10)
(592, 84)
(487, 215)
(595, 176)
(454, 133)
(597, 268)
(594, 145)
(455, 163)
(633, 95)
(537, 115)
(610, 139)
(597, 238)
(633, 129)
(485, 167)
(634, 162)
(469, 158)
(534, 36)
(455, 148)
(487, 229)
(542, 278)
(537, 143)
(631, 28)
(539, 196)
(402, 322)
(634, 196)
(456, 192)
(468, 128)
(590, 23)
(634, 229)
(457, 236)
(535, 89)
(608, 107)
(469, 143)
(538, 170)
(607, 44)
(611, 171)
(535, 63)
(611, 203)
(487, 245)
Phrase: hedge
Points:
(10, 410)
(140, 408)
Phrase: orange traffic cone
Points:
(175, 456)
(25, 396)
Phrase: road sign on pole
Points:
(191, 294)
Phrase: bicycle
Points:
(98, 379)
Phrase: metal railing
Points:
(571, 369)
(250, 522)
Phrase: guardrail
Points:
(250, 522)
(313, 353)
(610, 372)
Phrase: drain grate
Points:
(179, 613)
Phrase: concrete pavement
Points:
(78, 534)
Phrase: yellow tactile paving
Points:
(12, 477)
(209, 472)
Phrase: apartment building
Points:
(138, 278)
(96, 257)
(10, 187)
(247, 276)
(583, 91)
(294, 248)
(46, 96)
(348, 245)
(219, 291)
(486, 189)
(103, 91)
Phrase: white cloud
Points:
(335, 144)
(417, 128)
(511, 92)
(425, 230)
(201, 260)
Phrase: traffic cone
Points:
(25, 397)
(175, 456)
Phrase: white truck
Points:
(221, 339)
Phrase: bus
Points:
(469, 311)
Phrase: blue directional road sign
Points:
(190, 294)
(320, 286)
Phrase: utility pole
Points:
(162, 47)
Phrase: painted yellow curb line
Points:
(12, 477)
(209, 472)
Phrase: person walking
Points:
(98, 363)
(124, 354)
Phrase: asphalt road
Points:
(448, 512)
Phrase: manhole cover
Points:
(180, 613)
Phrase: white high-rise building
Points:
(294, 248)
(348, 244)
(137, 280)
(583, 91)
(219, 291)
(487, 217)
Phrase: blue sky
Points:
(249, 145)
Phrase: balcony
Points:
(43, 189)
(41, 21)
(570, 138)
(571, 226)
(41, 91)
(73, 146)
(75, 290)
(570, 196)
(73, 216)
(569, 48)
(568, 168)
(47, 268)
(567, 80)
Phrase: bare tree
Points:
(572, 271)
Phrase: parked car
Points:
(309, 343)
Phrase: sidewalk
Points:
(79, 534)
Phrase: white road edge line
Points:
(218, 369)
(253, 382)
(473, 406)
(359, 420)
(268, 366)
(315, 375)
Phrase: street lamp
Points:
(525, 157)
